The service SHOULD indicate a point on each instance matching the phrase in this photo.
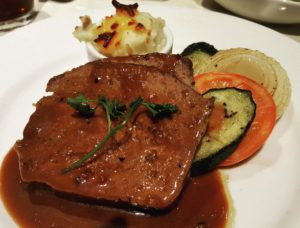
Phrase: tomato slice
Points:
(263, 122)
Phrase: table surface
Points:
(51, 8)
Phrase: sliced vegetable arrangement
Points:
(253, 64)
(232, 115)
(217, 73)
(257, 66)
(265, 117)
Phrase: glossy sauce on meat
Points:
(145, 164)
(202, 204)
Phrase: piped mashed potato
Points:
(127, 32)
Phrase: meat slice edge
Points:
(175, 64)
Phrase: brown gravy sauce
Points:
(202, 204)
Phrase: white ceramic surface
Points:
(265, 190)
(93, 54)
(271, 11)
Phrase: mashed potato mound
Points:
(127, 32)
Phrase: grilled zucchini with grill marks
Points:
(233, 113)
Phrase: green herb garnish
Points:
(113, 110)
(81, 104)
(159, 110)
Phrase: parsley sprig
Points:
(114, 110)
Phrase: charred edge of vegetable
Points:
(234, 88)
(207, 164)
(199, 46)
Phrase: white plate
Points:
(265, 190)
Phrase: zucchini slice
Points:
(199, 53)
(233, 113)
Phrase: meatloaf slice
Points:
(145, 164)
